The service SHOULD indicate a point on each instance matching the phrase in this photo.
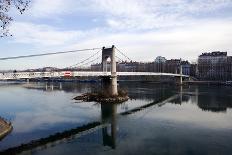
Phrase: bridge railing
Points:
(34, 75)
(28, 75)
(149, 74)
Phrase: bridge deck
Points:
(35, 75)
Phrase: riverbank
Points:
(5, 128)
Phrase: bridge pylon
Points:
(109, 53)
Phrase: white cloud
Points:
(131, 14)
(168, 27)
(146, 14)
(42, 34)
(185, 42)
(48, 8)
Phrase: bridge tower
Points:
(109, 53)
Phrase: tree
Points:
(5, 19)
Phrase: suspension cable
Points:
(119, 58)
(46, 54)
(84, 60)
(90, 61)
(123, 54)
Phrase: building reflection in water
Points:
(206, 98)
(214, 101)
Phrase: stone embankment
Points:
(5, 128)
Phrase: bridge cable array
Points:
(83, 62)
(119, 59)
(88, 61)
(123, 54)
(91, 59)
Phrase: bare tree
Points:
(5, 19)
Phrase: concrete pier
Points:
(181, 78)
(109, 53)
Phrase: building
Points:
(186, 67)
(213, 66)
(193, 70)
(159, 64)
(96, 67)
(229, 68)
(172, 66)
(160, 59)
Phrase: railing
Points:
(148, 74)
(34, 75)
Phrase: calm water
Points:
(160, 119)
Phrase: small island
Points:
(104, 97)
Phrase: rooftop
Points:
(216, 53)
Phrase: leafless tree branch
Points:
(5, 19)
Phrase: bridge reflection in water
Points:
(199, 95)
(110, 113)
(108, 123)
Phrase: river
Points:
(158, 119)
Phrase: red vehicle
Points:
(68, 74)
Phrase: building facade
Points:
(160, 65)
(213, 66)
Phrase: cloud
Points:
(185, 42)
(45, 8)
(42, 34)
(132, 14)
(146, 14)
(171, 28)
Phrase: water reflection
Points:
(218, 101)
(212, 100)
(50, 109)
(174, 128)
(108, 113)
(59, 86)
(108, 125)
(207, 100)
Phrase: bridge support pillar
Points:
(110, 53)
(181, 78)
(110, 86)
(114, 86)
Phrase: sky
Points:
(142, 29)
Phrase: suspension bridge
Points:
(108, 69)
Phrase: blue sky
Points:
(143, 29)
